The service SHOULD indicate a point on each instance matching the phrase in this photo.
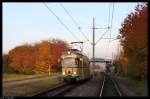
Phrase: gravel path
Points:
(90, 88)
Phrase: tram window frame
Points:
(85, 64)
(77, 62)
(80, 64)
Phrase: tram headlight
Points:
(69, 52)
(63, 73)
(74, 73)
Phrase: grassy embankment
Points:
(32, 88)
(140, 88)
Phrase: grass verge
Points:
(140, 88)
(32, 88)
(15, 77)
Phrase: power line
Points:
(108, 24)
(112, 15)
(109, 14)
(102, 36)
(69, 14)
(84, 35)
(59, 20)
(74, 21)
(112, 19)
(108, 45)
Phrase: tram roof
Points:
(75, 51)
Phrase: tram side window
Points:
(80, 63)
(84, 64)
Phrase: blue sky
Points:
(33, 22)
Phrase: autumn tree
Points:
(48, 54)
(124, 63)
(6, 64)
(36, 58)
(22, 59)
(58, 46)
(43, 57)
(133, 34)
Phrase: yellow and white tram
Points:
(75, 66)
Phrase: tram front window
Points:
(69, 62)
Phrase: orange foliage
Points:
(22, 59)
(134, 39)
(37, 58)
(43, 56)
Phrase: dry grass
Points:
(28, 89)
(16, 77)
(140, 88)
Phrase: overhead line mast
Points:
(93, 44)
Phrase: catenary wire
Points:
(60, 20)
(74, 21)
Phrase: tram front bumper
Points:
(71, 78)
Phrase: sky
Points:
(33, 22)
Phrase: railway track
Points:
(109, 88)
(42, 93)
(58, 91)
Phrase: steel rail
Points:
(113, 83)
(118, 91)
(101, 91)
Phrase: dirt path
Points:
(21, 82)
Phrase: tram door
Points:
(79, 67)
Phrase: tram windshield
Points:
(68, 62)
